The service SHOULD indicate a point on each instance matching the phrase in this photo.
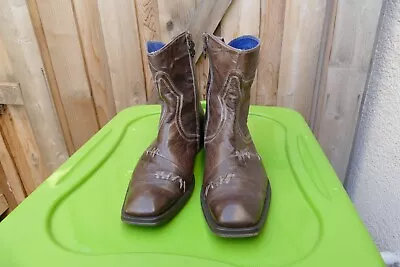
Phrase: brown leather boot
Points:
(163, 178)
(235, 194)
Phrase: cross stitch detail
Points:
(223, 179)
(153, 151)
(171, 177)
(245, 154)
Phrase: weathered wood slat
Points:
(206, 19)
(149, 29)
(10, 182)
(10, 94)
(19, 38)
(65, 50)
(300, 53)
(6, 73)
(349, 64)
(49, 75)
(174, 16)
(201, 67)
(123, 51)
(271, 34)
(325, 53)
(91, 36)
(21, 144)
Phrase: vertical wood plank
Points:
(201, 67)
(325, 53)
(242, 18)
(18, 35)
(352, 50)
(301, 46)
(49, 73)
(91, 35)
(206, 19)
(10, 182)
(271, 34)
(174, 17)
(149, 29)
(15, 129)
(65, 50)
(6, 73)
(122, 42)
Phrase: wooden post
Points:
(302, 35)
(346, 79)
(10, 183)
(271, 33)
(122, 46)
(19, 38)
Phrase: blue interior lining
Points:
(244, 42)
(153, 46)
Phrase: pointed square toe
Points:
(235, 214)
(148, 203)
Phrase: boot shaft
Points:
(232, 71)
(172, 68)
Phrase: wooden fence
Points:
(68, 66)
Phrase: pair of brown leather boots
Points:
(235, 194)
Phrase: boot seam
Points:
(178, 113)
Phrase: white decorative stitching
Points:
(171, 177)
(179, 99)
(245, 154)
(223, 179)
(223, 105)
(153, 151)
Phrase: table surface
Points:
(73, 219)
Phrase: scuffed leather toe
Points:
(234, 214)
(147, 204)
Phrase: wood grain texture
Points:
(10, 94)
(271, 34)
(174, 17)
(6, 73)
(202, 71)
(320, 82)
(10, 182)
(48, 73)
(149, 29)
(121, 36)
(201, 67)
(300, 53)
(91, 36)
(349, 64)
(242, 18)
(66, 54)
(22, 147)
(3, 204)
(19, 38)
(206, 19)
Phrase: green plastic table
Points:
(73, 218)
